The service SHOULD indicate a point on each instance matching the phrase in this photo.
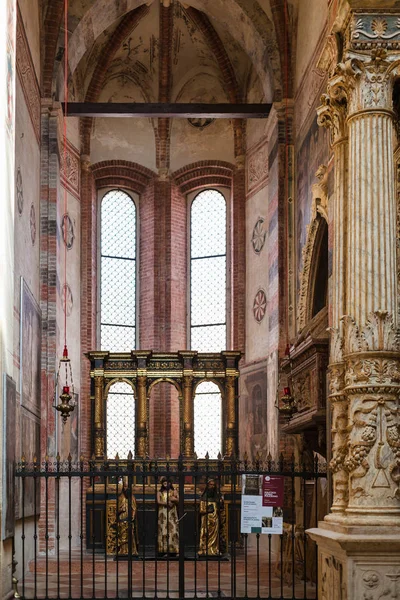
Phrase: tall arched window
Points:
(118, 272)
(208, 301)
(207, 420)
(120, 416)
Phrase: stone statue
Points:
(212, 526)
(168, 526)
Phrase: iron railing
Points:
(90, 530)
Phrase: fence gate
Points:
(166, 529)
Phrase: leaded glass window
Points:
(118, 272)
(120, 420)
(208, 272)
(207, 420)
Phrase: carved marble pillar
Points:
(359, 542)
(99, 428)
(332, 114)
(142, 425)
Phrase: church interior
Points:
(199, 257)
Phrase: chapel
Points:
(200, 299)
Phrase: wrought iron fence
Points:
(164, 529)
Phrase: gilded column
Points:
(142, 426)
(99, 425)
(231, 425)
(188, 416)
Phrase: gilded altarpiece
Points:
(144, 369)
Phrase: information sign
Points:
(262, 504)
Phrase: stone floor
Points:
(106, 578)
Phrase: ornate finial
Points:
(130, 455)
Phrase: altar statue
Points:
(168, 526)
(212, 526)
(126, 520)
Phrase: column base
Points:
(357, 562)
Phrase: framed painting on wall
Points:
(30, 447)
(30, 350)
(9, 458)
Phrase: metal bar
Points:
(58, 526)
(196, 527)
(245, 564)
(156, 537)
(304, 538)
(269, 565)
(117, 257)
(208, 325)
(118, 325)
(70, 525)
(117, 530)
(23, 534)
(47, 528)
(83, 503)
(293, 519)
(35, 536)
(105, 534)
(144, 526)
(130, 533)
(316, 522)
(181, 575)
(207, 257)
(219, 522)
(91, 466)
(166, 110)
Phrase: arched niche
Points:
(314, 275)
(208, 407)
(164, 417)
(120, 412)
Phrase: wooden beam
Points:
(167, 110)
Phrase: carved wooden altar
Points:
(143, 369)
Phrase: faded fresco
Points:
(255, 397)
(30, 448)
(311, 153)
(8, 512)
(31, 338)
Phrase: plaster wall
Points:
(312, 17)
(256, 276)
(30, 12)
(68, 434)
(214, 141)
(123, 139)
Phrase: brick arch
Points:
(205, 173)
(52, 24)
(122, 173)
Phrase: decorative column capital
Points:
(332, 113)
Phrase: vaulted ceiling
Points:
(170, 51)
